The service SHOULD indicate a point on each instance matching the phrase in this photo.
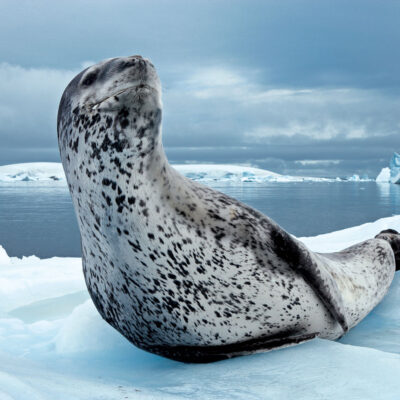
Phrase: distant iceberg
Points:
(358, 178)
(384, 175)
(395, 168)
(354, 178)
(53, 172)
(32, 172)
(238, 174)
(391, 174)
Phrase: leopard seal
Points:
(180, 269)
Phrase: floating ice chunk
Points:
(384, 175)
(354, 178)
(27, 172)
(395, 168)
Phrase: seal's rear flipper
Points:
(393, 237)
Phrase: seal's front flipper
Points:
(393, 237)
(314, 271)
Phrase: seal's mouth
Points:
(137, 88)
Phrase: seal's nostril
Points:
(142, 64)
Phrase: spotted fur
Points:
(178, 268)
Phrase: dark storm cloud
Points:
(300, 42)
(262, 82)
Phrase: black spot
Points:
(120, 199)
(75, 145)
(107, 198)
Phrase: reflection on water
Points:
(40, 219)
(311, 208)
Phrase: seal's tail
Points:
(393, 237)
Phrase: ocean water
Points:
(40, 220)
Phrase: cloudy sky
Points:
(296, 86)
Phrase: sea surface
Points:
(38, 219)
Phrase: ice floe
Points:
(54, 345)
(53, 173)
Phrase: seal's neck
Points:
(118, 161)
(144, 156)
(128, 146)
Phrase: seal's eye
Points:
(89, 79)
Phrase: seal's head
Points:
(120, 93)
(114, 83)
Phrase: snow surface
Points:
(54, 345)
(53, 172)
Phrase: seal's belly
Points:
(179, 302)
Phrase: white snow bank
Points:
(30, 279)
(384, 175)
(52, 172)
(26, 172)
(338, 240)
(84, 330)
(54, 345)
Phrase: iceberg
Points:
(54, 345)
(384, 175)
(354, 178)
(238, 174)
(32, 172)
(390, 174)
(53, 173)
(224, 173)
(395, 168)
